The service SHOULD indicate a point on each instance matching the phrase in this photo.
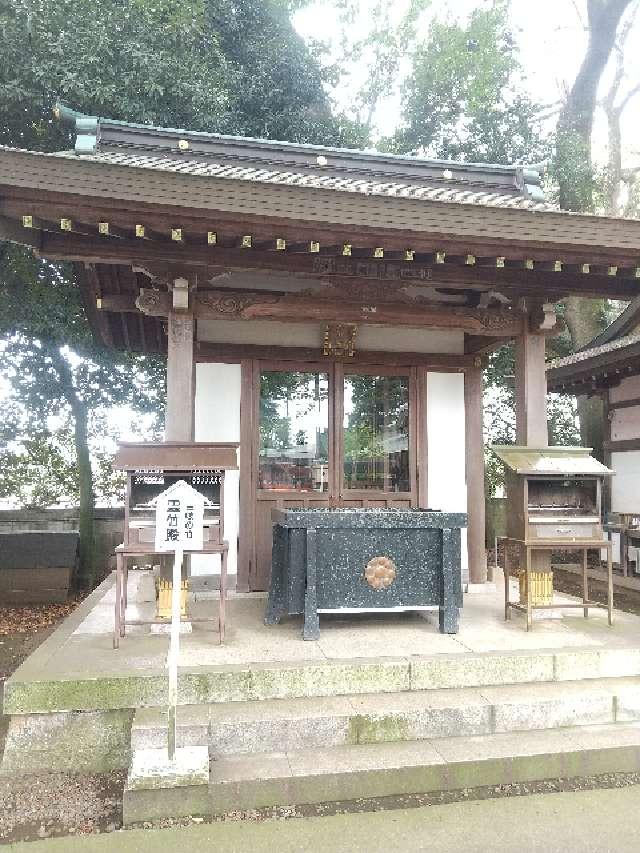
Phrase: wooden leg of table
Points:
(116, 608)
(123, 594)
(528, 575)
(610, 584)
(624, 556)
(507, 600)
(585, 582)
(223, 597)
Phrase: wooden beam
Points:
(480, 345)
(248, 431)
(13, 232)
(76, 247)
(474, 466)
(626, 444)
(89, 292)
(626, 404)
(179, 416)
(236, 353)
(261, 305)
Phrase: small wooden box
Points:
(541, 587)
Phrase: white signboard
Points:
(179, 518)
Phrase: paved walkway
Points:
(584, 822)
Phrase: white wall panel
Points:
(376, 338)
(446, 481)
(628, 389)
(625, 423)
(625, 483)
(217, 418)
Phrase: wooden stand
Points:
(529, 546)
(123, 553)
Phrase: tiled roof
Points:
(585, 355)
(205, 168)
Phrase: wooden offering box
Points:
(152, 468)
(554, 493)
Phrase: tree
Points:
(214, 65)
(574, 174)
(465, 98)
(58, 376)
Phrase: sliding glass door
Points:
(330, 434)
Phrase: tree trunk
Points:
(574, 174)
(573, 149)
(86, 522)
(583, 318)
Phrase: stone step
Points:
(344, 773)
(293, 724)
(246, 682)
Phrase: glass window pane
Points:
(294, 431)
(376, 433)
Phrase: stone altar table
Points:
(352, 560)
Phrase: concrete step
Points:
(289, 680)
(345, 773)
(294, 724)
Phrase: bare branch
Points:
(629, 95)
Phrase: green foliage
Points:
(465, 98)
(228, 66)
(375, 35)
(499, 412)
(37, 469)
(43, 324)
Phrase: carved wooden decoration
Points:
(253, 305)
(339, 339)
(154, 303)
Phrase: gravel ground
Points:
(52, 804)
(55, 804)
(623, 599)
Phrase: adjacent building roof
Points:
(549, 460)
(608, 357)
(626, 323)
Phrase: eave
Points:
(210, 224)
(595, 374)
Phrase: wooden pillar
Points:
(531, 407)
(179, 412)
(531, 391)
(474, 467)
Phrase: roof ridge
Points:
(90, 129)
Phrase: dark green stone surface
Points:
(320, 556)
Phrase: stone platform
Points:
(381, 704)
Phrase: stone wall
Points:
(109, 526)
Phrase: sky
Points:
(551, 36)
